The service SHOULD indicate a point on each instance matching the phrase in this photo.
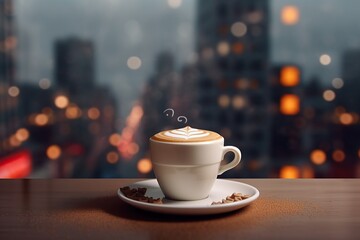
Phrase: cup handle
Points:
(234, 162)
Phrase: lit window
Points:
(289, 104)
(289, 76)
(290, 15)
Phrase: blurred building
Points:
(15, 161)
(75, 64)
(287, 121)
(233, 87)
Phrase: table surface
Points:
(74, 208)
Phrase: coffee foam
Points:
(186, 134)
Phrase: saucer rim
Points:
(160, 207)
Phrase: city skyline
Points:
(127, 32)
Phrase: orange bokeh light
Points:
(238, 48)
(289, 76)
(41, 119)
(144, 165)
(338, 155)
(53, 152)
(289, 172)
(290, 15)
(318, 156)
(289, 104)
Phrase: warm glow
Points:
(238, 48)
(238, 102)
(134, 63)
(242, 83)
(13, 91)
(14, 141)
(44, 83)
(325, 59)
(289, 104)
(289, 172)
(144, 165)
(93, 113)
(223, 48)
(289, 76)
(112, 157)
(22, 134)
(318, 156)
(338, 155)
(329, 95)
(72, 112)
(290, 15)
(126, 146)
(224, 101)
(346, 118)
(133, 148)
(115, 139)
(61, 101)
(53, 152)
(41, 119)
(238, 29)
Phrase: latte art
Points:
(186, 134)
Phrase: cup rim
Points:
(188, 143)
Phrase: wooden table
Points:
(73, 208)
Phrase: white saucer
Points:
(220, 190)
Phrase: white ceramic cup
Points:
(188, 170)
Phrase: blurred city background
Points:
(85, 83)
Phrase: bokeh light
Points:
(289, 172)
(22, 134)
(329, 95)
(290, 15)
(223, 48)
(112, 157)
(174, 3)
(115, 139)
(337, 83)
(238, 102)
(338, 155)
(61, 101)
(325, 59)
(289, 76)
(144, 166)
(53, 152)
(41, 119)
(72, 111)
(289, 104)
(224, 101)
(13, 91)
(238, 29)
(93, 113)
(318, 156)
(44, 83)
(134, 63)
(346, 118)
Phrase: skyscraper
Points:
(75, 66)
(14, 162)
(233, 49)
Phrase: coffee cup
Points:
(187, 161)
